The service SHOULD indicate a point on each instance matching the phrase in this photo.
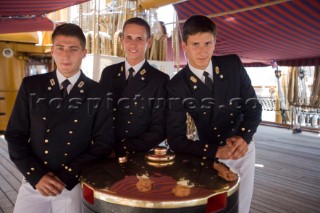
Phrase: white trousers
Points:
(245, 168)
(30, 200)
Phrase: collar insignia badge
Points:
(217, 70)
(193, 79)
(143, 72)
(81, 83)
(52, 82)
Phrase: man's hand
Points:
(224, 152)
(238, 147)
(50, 185)
(235, 148)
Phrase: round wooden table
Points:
(111, 185)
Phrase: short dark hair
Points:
(198, 24)
(70, 29)
(138, 21)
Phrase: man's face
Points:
(68, 53)
(199, 49)
(135, 43)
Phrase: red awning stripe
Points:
(288, 24)
(300, 62)
(283, 31)
(29, 15)
(294, 62)
(294, 18)
(256, 64)
(284, 38)
(34, 7)
(200, 8)
(310, 12)
(26, 25)
(236, 33)
(293, 32)
(213, 6)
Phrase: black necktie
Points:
(130, 76)
(207, 80)
(64, 90)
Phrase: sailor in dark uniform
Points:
(138, 91)
(59, 124)
(217, 94)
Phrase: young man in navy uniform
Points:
(217, 93)
(138, 91)
(59, 124)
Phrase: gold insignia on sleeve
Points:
(143, 72)
(217, 70)
(193, 79)
(52, 82)
(81, 83)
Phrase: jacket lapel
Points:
(198, 89)
(49, 101)
(202, 94)
(74, 101)
(119, 82)
(221, 84)
(138, 82)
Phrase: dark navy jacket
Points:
(46, 134)
(139, 107)
(230, 109)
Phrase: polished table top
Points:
(150, 181)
